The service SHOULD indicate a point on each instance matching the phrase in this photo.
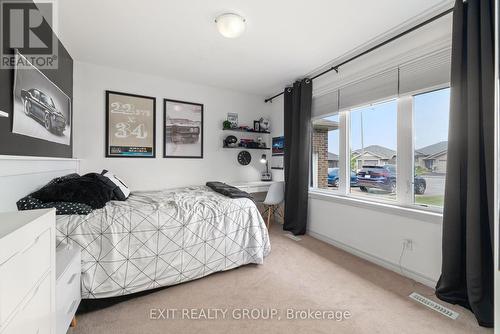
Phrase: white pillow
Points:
(121, 191)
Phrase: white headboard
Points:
(20, 176)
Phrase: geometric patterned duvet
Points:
(161, 238)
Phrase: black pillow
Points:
(62, 208)
(91, 189)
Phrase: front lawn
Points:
(436, 200)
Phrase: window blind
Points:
(422, 73)
(325, 104)
(426, 72)
(375, 88)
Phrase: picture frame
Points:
(256, 126)
(41, 109)
(278, 146)
(182, 129)
(130, 125)
(233, 119)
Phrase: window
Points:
(431, 114)
(373, 140)
(325, 153)
(394, 151)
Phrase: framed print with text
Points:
(130, 125)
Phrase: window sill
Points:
(409, 212)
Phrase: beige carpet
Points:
(307, 274)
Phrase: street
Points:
(434, 192)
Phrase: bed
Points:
(162, 238)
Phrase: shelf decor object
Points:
(232, 118)
(248, 148)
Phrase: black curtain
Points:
(467, 269)
(297, 121)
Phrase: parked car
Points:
(384, 177)
(333, 177)
(41, 107)
(181, 131)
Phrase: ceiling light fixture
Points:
(230, 25)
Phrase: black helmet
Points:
(230, 140)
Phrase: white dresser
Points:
(27, 272)
(68, 292)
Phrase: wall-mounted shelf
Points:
(280, 168)
(248, 148)
(246, 130)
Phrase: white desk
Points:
(253, 186)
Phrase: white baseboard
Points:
(377, 260)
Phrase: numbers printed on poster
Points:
(128, 109)
(128, 128)
(124, 131)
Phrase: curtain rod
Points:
(336, 67)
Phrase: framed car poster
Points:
(130, 125)
(183, 129)
(41, 109)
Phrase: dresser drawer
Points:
(34, 317)
(19, 273)
(68, 293)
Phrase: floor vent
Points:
(293, 237)
(434, 306)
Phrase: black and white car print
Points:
(40, 107)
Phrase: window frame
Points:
(336, 191)
(405, 193)
(348, 153)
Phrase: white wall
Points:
(20, 176)
(276, 117)
(376, 232)
(377, 235)
(90, 84)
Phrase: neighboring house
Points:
(432, 157)
(374, 155)
(333, 160)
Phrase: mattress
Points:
(162, 238)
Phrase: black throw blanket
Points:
(92, 189)
(227, 190)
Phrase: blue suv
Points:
(333, 177)
(384, 177)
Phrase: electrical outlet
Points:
(408, 244)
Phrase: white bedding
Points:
(163, 238)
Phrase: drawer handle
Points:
(70, 310)
(72, 278)
(32, 244)
(10, 258)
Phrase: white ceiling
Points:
(284, 40)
